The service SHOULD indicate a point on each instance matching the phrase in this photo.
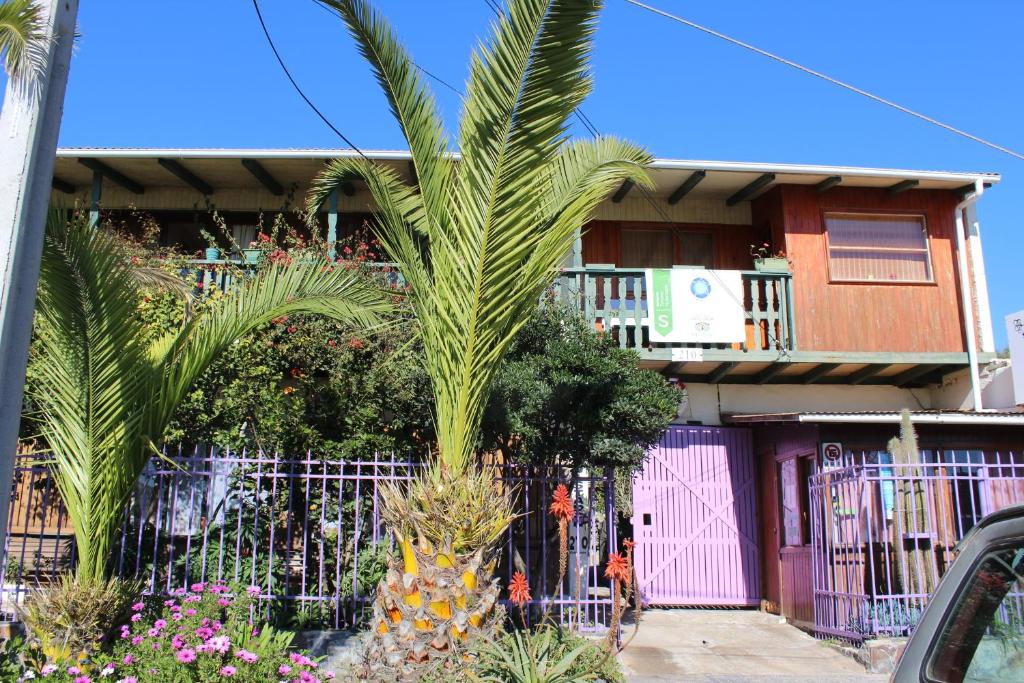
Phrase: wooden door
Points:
(695, 519)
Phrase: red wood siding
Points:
(601, 241)
(864, 316)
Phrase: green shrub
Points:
(68, 620)
(544, 655)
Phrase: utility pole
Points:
(29, 125)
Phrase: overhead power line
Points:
(829, 79)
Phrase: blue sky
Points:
(195, 73)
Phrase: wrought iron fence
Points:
(883, 534)
(308, 532)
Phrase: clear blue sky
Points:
(197, 73)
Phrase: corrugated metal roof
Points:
(1011, 418)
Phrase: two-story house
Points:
(791, 366)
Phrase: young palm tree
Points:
(478, 240)
(105, 394)
(22, 38)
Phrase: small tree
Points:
(567, 395)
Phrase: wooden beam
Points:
(770, 372)
(965, 190)
(720, 372)
(916, 372)
(866, 373)
(62, 185)
(623, 190)
(186, 176)
(687, 185)
(763, 180)
(902, 186)
(97, 166)
(828, 183)
(265, 179)
(816, 373)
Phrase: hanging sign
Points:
(695, 305)
(831, 452)
(1015, 335)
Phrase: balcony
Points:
(614, 302)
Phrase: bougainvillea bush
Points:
(205, 634)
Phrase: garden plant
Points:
(478, 240)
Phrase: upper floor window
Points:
(664, 248)
(867, 247)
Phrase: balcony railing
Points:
(614, 300)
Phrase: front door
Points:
(695, 519)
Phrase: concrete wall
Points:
(707, 402)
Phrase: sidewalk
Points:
(731, 646)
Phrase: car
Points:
(972, 630)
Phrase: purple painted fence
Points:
(307, 531)
(884, 534)
(695, 519)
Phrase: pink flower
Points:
(180, 591)
(254, 591)
(223, 602)
(204, 632)
(83, 679)
(307, 677)
(177, 616)
(186, 656)
(177, 642)
(198, 587)
(128, 659)
(228, 671)
(220, 643)
(125, 632)
(129, 679)
(174, 608)
(328, 675)
(169, 603)
(155, 646)
(283, 669)
(247, 657)
(190, 612)
(74, 671)
(192, 598)
(154, 633)
(137, 639)
(159, 623)
(137, 607)
(136, 617)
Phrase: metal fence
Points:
(884, 534)
(308, 532)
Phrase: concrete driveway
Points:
(731, 646)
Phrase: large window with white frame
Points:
(877, 247)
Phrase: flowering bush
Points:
(204, 634)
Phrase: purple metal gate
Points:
(695, 519)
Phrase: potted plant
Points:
(767, 262)
(212, 250)
(253, 252)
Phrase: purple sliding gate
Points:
(695, 519)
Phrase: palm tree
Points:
(478, 239)
(105, 394)
(22, 39)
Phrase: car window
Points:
(983, 637)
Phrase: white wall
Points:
(707, 402)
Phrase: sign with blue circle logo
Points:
(700, 287)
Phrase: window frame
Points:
(833, 279)
(675, 230)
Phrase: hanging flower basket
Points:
(771, 264)
(252, 255)
(212, 253)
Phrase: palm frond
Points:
(411, 100)
(23, 40)
(317, 287)
(93, 378)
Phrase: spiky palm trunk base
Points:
(428, 606)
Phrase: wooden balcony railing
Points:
(614, 300)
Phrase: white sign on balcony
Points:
(1015, 334)
(694, 305)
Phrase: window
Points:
(794, 480)
(697, 249)
(643, 248)
(982, 640)
(864, 247)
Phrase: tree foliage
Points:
(568, 395)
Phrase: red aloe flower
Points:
(617, 570)
(561, 504)
(628, 544)
(519, 590)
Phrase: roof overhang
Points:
(221, 169)
(937, 417)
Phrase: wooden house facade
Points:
(879, 304)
